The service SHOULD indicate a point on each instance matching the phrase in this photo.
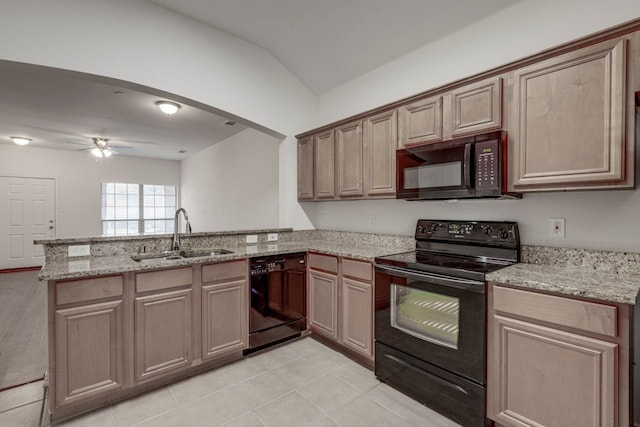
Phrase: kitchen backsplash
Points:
(616, 262)
(56, 249)
(612, 261)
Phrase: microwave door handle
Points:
(467, 166)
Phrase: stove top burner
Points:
(440, 263)
(464, 249)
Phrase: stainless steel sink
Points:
(156, 258)
(187, 253)
(194, 253)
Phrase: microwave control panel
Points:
(487, 165)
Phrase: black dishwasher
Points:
(278, 294)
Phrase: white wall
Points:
(143, 43)
(596, 219)
(78, 176)
(233, 184)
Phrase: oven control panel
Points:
(468, 231)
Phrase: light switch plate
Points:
(252, 250)
(79, 250)
(252, 238)
(272, 237)
(272, 248)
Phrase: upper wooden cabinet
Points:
(305, 169)
(569, 125)
(380, 142)
(477, 107)
(420, 122)
(324, 165)
(349, 159)
(355, 160)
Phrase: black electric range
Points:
(430, 320)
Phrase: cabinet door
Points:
(224, 318)
(88, 351)
(162, 333)
(357, 316)
(305, 169)
(421, 122)
(324, 166)
(380, 142)
(323, 303)
(543, 376)
(569, 119)
(349, 159)
(477, 107)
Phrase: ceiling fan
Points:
(102, 148)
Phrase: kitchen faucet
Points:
(175, 246)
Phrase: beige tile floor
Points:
(303, 383)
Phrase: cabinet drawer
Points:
(163, 279)
(357, 269)
(567, 312)
(224, 271)
(323, 262)
(73, 291)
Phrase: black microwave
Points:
(465, 168)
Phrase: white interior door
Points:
(27, 214)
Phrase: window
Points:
(137, 209)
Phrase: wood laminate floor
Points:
(23, 328)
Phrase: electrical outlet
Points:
(252, 250)
(79, 250)
(556, 227)
(372, 219)
(272, 237)
(272, 248)
(322, 219)
(252, 238)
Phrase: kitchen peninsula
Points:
(119, 327)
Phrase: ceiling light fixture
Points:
(20, 140)
(168, 107)
(101, 149)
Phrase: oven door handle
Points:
(451, 282)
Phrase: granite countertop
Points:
(78, 267)
(574, 281)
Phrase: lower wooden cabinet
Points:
(357, 316)
(323, 303)
(555, 361)
(341, 302)
(224, 317)
(88, 351)
(116, 336)
(162, 333)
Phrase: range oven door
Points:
(433, 318)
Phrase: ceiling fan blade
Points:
(77, 143)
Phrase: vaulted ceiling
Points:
(326, 43)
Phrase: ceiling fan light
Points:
(106, 153)
(97, 152)
(20, 140)
(168, 107)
